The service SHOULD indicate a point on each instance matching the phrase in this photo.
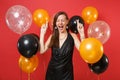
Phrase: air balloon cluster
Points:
(28, 46)
(19, 20)
(91, 48)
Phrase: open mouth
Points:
(60, 27)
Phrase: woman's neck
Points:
(62, 35)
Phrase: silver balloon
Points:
(99, 30)
(18, 19)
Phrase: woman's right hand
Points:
(44, 44)
(44, 28)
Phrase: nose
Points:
(61, 22)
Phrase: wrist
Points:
(82, 36)
(81, 33)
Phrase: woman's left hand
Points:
(80, 27)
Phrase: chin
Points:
(62, 31)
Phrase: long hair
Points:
(55, 36)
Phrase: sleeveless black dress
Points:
(60, 66)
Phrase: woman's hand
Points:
(43, 46)
(80, 29)
(44, 28)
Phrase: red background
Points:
(108, 10)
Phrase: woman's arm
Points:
(76, 40)
(43, 44)
(80, 29)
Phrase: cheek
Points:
(64, 23)
(57, 23)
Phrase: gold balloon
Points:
(91, 50)
(28, 65)
(40, 16)
(89, 14)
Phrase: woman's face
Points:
(61, 23)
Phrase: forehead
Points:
(62, 16)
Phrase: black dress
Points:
(60, 66)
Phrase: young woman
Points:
(61, 42)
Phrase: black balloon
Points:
(73, 24)
(100, 66)
(37, 38)
(28, 45)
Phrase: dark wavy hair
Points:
(55, 36)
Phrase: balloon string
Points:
(28, 76)
(43, 64)
(20, 74)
